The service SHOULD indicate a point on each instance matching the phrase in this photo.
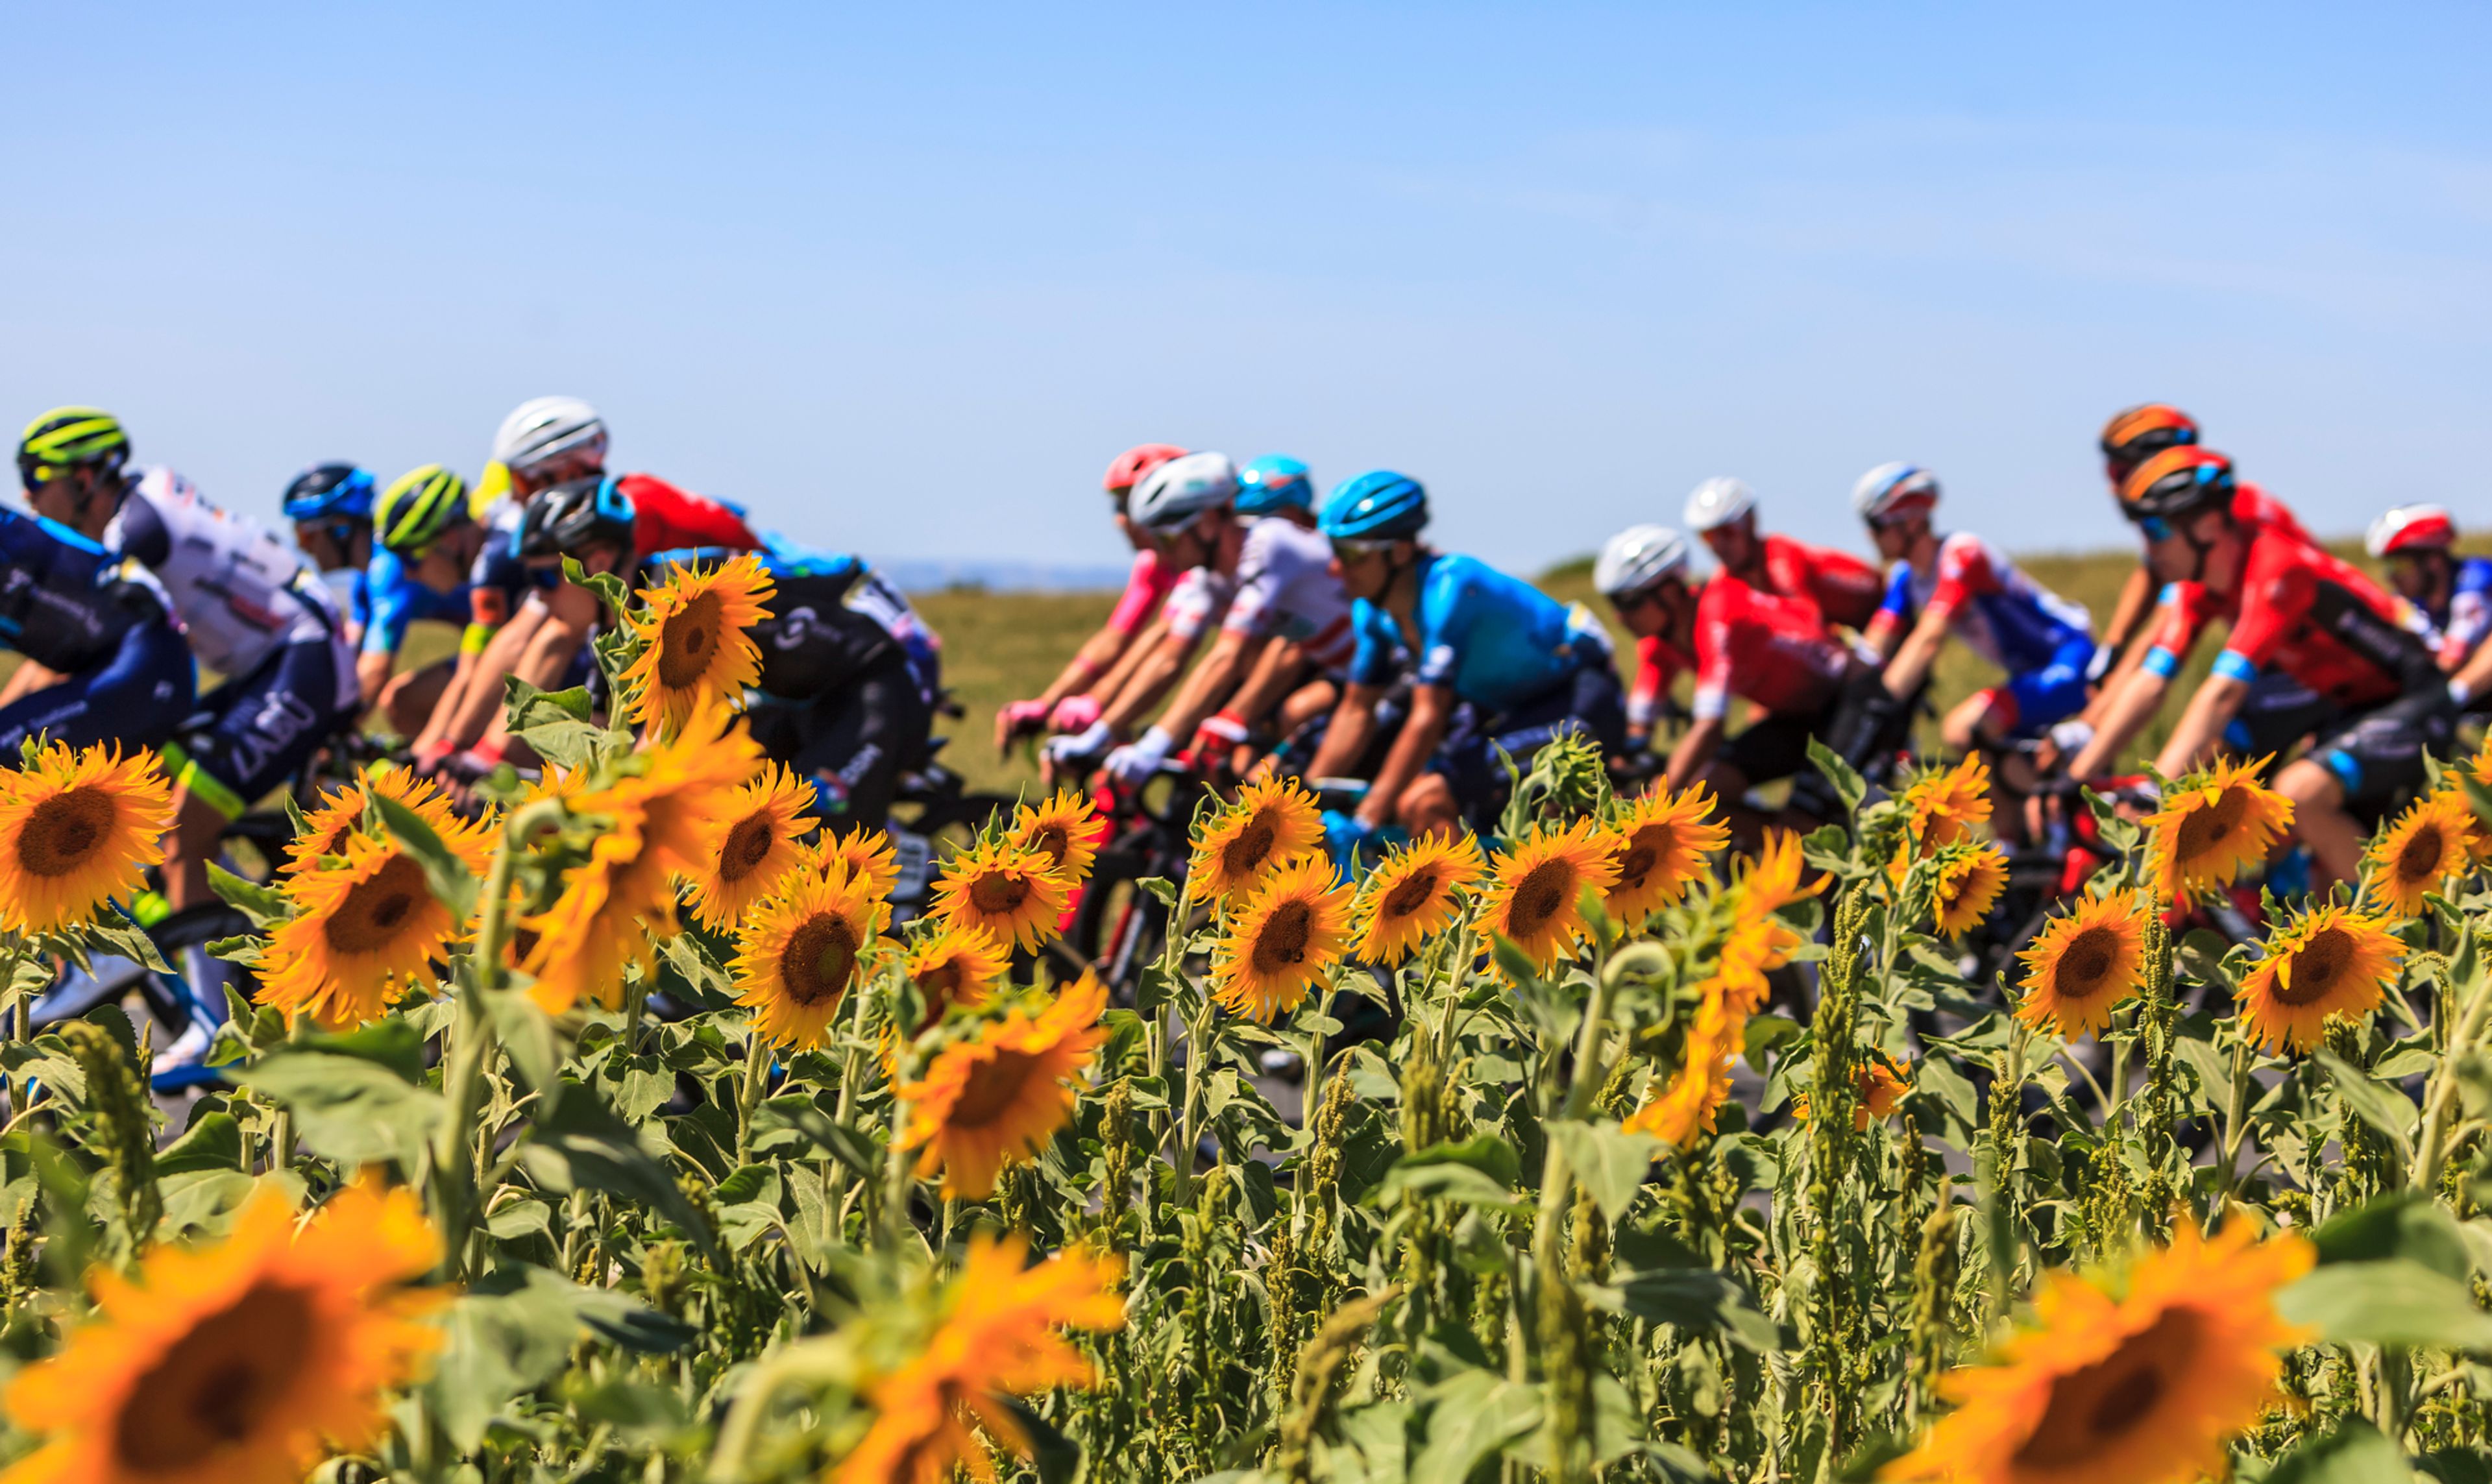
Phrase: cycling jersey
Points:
(1146, 588)
(2253, 505)
(2463, 620)
(2001, 613)
(1285, 586)
(65, 600)
(2298, 608)
(1846, 590)
(1763, 647)
(1496, 639)
(666, 517)
(499, 579)
(390, 596)
(1198, 600)
(242, 593)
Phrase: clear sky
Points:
(905, 278)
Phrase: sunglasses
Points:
(2155, 527)
(1350, 548)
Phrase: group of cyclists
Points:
(1261, 628)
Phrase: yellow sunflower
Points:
(1535, 903)
(1410, 897)
(2336, 960)
(361, 935)
(248, 1360)
(1012, 893)
(1878, 1086)
(1943, 806)
(78, 829)
(869, 853)
(1970, 880)
(1272, 822)
(956, 967)
(340, 816)
(1065, 829)
(698, 653)
(998, 1339)
(2212, 824)
(796, 959)
(2135, 1382)
(1279, 945)
(2427, 845)
(1770, 881)
(748, 851)
(2084, 964)
(998, 1098)
(1695, 1093)
(1663, 840)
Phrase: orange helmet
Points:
(2175, 484)
(1135, 462)
(2129, 437)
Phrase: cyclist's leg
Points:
(1769, 748)
(135, 699)
(255, 734)
(408, 699)
(2278, 712)
(2363, 765)
(855, 742)
(1470, 767)
(1865, 726)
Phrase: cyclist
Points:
(252, 610)
(2454, 593)
(1287, 612)
(1963, 585)
(1769, 649)
(331, 506)
(1845, 589)
(2375, 698)
(104, 658)
(1529, 667)
(428, 542)
(1070, 702)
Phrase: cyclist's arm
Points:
(28, 678)
(1111, 687)
(1354, 725)
(1693, 752)
(1274, 677)
(480, 699)
(2128, 708)
(2136, 601)
(373, 669)
(1098, 656)
(1431, 712)
(2202, 723)
(1210, 682)
(1148, 681)
(1911, 664)
(2476, 675)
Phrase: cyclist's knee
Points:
(2311, 784)
(1428, 806)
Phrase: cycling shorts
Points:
(254, 734)
(134, 698)
(1861, 723)
(2275, 715)
(2036, 698)
(2378, 753)
(853, 741)
(1590, 701)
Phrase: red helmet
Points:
(2130, 437)
(2175, 484)
(1135, 462)
(2412, 529)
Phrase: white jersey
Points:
(1285, 586)
(242, 591)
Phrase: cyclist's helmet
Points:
(1135, 462)
(576, 515)
(2175, 484)
(330, 491)
(2138, 433)
(417, 508)
(549, 427)
(1892, 491)
(66, 437)
(1638, 558)
(2411, 528)
(1179, 489)
(1273, 482)
(1718, 502)
(1378, 505)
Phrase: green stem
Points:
(2235, 1118)
(2440, 1098)
(756, 1071)
(1198, 1065)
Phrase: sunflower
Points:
(1012, 893)
(1272, 822)
(869, 853)
(998, 1097)
(748, 851)
(339, 816)
(1878, 1087)
(1065, 829)
(76, 830)
(1535, 904)
(1663, 839)
(2427, 845)
(361, 934)
(2084, 964)
(251, 1359)
(1695, 1093)
(1942, 806)
(1410, 896)
(1290, 931)
(956, 967)
(1771, 880)
(1968, 880)
(2336, 960)
(796, 959)
(2135, 1382)
(696, 653)
(2212, 824)
(997, 1337)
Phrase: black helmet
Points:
(576, 515)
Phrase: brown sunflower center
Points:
(1540, 897)
(2316, 968)
(819, 957)
(993, 1089)
(2421, 858)
(747, 847)
(2084, 966)
(1414, 891)
(1245, 854)
(376, 911)
(1282, 943)
(999, 893)
(65, 831)
(941, 984)
(218, 1385)
(2095, 1409)
(686, 641)
(2206, 829)
(1052, 840)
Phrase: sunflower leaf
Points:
(2395, 1301)
(262, 904)
(582, 1145)
(1607, 1161)
(556, 723)
(2403, 1225)
(444, 873)
(349, 1108)
(2354, 1454)
(2381, 1107)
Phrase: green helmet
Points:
(68, 436)
(417, 508)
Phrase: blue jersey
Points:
(65, 600)
(2466, 617)
(390, 596)
(1496, 640)
(2000, 612)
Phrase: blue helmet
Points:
(1378, 505)
(328, 492)
(1274, 481)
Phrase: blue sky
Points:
(904, 280)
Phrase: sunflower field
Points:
(1669, 1165)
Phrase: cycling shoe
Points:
(183, 1064)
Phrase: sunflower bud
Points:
(125, 1128)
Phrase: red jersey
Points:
(2298, 609)
(2254, 506)
(666, 519)
(1844, 588)
(1763, 647)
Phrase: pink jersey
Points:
(1145, 589)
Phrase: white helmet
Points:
(1637, 557)
(1718, 502)
(1182, 489)
(545, 428)
(1890, 489)
(2411, 528)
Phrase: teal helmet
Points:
(1378, 505)
(1272, 483)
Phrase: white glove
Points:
(2071, 737)
(1137, 761)
(2459, 691)
(1088, 744)
(2100, 664)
